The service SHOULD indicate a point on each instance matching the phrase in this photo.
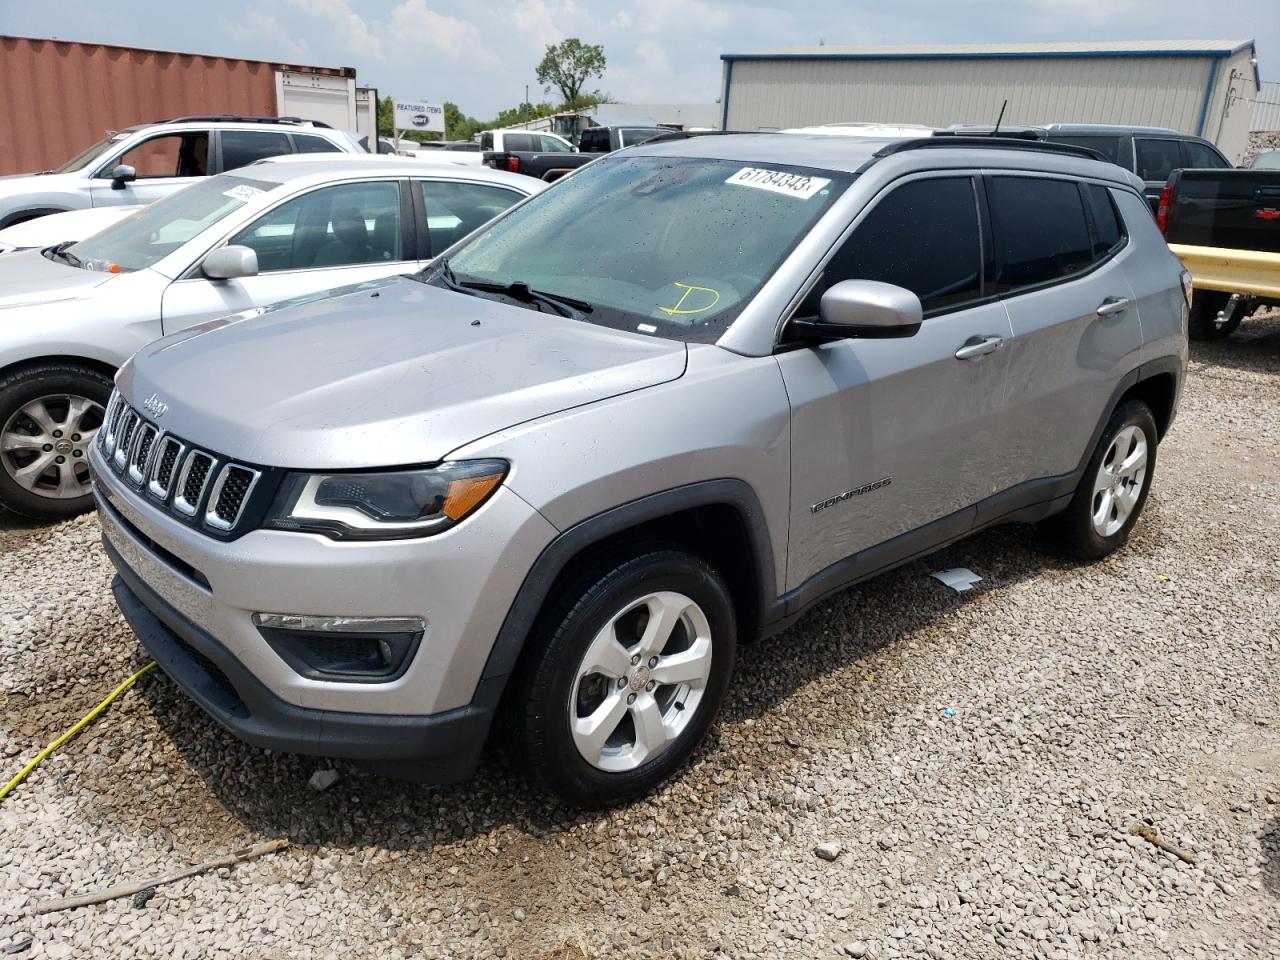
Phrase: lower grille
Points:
(220, 689)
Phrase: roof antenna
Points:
(996, 131)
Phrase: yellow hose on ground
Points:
(84, 722)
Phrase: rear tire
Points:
(1202, 323)
(624, 677)
(1113, 490)
(49, 415)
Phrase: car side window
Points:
(1108, 228)
(553, 145)
(1039, 231)
(168, 155)
(595, 140)
(1197, 155)
(486, 141)
(242, 147)
(1109, 147)
(1156, 159)
(305, 143)
(520, 142)
(455, 209)
(343, 225)
(923, 236)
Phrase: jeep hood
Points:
(392, 373)
(28, 277)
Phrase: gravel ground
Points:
(973, 763)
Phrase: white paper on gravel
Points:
(958, 579)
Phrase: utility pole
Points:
(524, 106)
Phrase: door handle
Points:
(1113, 305)
(975, 348)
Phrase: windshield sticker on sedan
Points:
(693, 299)
(243, 192)
(788, 184)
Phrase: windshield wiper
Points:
(65, 255)
(517, 290)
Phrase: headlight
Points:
(391, 505)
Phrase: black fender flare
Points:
(556, 556)
(32, 213)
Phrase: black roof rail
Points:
(689, 134)
(991, 143)
(235, 118)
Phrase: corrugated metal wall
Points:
(1266, 111)
(1157, 91)
(57, 98)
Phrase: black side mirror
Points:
(863, 308)
(122, 174)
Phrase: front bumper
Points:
(442, 748)
(191, 599)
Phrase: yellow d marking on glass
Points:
(681, 310)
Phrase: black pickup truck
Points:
(1225, 227)
(544, 164)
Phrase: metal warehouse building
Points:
(1203, 87)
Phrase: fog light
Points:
(347, 649)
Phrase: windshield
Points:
(154, 232)
(674, 246)
(85, 157)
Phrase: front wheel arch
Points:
(32, 213)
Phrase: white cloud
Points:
(356, 34)
(261, 28)
(534, 21)
(416, 29)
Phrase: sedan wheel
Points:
(44, 445)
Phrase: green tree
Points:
(568, 65)
(386, 117)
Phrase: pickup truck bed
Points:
(1225, 227)
(543, 166)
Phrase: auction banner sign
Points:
(412, 115)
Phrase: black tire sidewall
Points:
(555, 763)
(1078, 518)
(19, 389)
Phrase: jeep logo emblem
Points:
(155, 406)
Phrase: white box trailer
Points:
(317, 96)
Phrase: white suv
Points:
(150, 161)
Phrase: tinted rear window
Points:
(1040, 231)
(922, 236)
(1109, 147)
(242, 147)
(1108, 230)
(520, 142)
(594, 141)
(1157, 158)
(1202, 156)
(309, 144)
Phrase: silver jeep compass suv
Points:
(665, 405)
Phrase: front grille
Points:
(141, 452)
(191, 481)
(195, 485)
(230, 493)
(166, 462)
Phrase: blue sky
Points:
(481, 55)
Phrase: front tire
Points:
(1113, 490)
(626, 675)
(49, 415)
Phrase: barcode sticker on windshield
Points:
(775, 181)
(242, 192)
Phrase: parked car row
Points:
(538, 474)
(232, 242)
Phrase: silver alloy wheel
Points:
(45, 445)
(1119, 482)
(641, 681)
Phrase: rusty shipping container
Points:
(58, 97)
